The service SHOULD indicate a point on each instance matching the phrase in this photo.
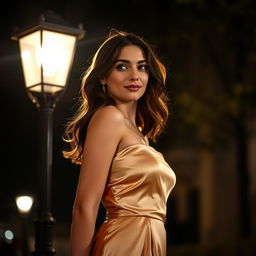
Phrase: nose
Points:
(134, 76)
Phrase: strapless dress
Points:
(135, 197)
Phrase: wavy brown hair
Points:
(152, 110)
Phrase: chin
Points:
(134, 98)
(128, 98)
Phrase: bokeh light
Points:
(24, 203)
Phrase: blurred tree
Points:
(221, 35)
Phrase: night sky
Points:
(20, 118)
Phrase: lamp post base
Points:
(44, 245)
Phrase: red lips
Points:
(134, 86)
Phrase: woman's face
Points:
(127, 80)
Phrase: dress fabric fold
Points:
(135, 197)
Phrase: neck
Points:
(129, 110)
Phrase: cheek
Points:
(115, 79)
(145, 88)
(145, 79)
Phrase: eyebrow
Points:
(127, 61)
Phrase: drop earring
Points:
(104, 88)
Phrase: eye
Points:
(143, 67)
(121, 67)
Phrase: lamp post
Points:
(47, 49)
(24, 204)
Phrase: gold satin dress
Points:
(135, 197)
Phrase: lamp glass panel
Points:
(56, 58)
(30, 48)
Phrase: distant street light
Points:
(24, 204)
(47, 49)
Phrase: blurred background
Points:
(209, 49)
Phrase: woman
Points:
(123, 104)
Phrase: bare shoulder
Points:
(107, 120)
(109, 115)
(104, 133)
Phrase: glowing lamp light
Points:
(24, 204)
(46, 58)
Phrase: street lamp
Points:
(47, 49)
(24, 204)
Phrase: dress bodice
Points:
(139, 183)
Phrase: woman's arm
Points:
(103, 136)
